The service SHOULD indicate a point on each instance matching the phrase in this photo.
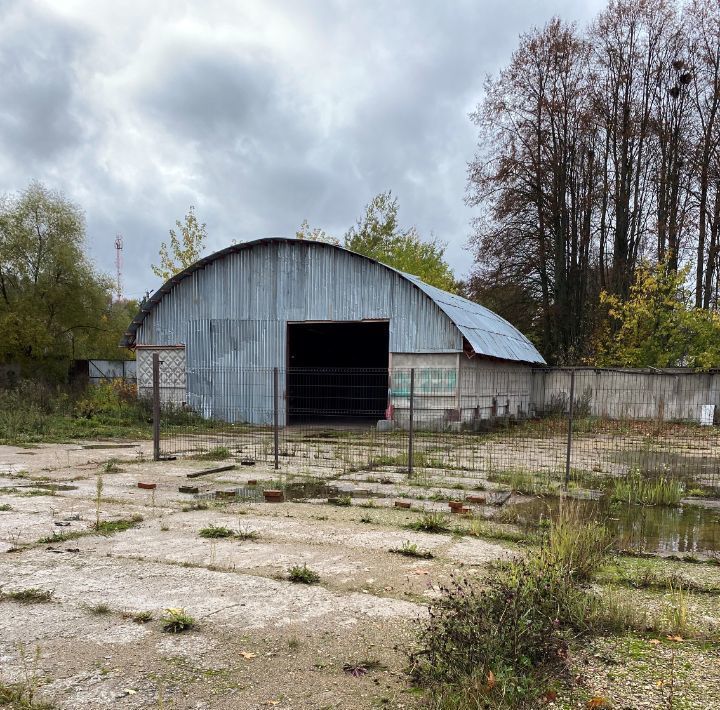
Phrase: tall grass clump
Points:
(637, 489)
(495, 645)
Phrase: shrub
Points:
(303, 575)
(503, 638)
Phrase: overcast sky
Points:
(260, 113)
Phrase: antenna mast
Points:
(118, 265)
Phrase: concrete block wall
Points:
(630, 394)
(490, 389)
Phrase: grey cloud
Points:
(403, 74)
(38, 117)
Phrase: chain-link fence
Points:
(532, 428)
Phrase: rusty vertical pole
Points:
(276, 416)
(156, 405)
(411, 424)
(571, 411)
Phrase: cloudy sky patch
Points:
(261, 114)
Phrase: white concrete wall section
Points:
(454, 391)
(630, 394)
(436, 389)
(491, 389)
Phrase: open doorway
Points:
(337, 371)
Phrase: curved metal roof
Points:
(487, 333)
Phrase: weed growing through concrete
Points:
(100, 609)
(31, 595)
(21, 695)
(111, 466)
(63, 537)
(245, 533)
(303, 575)
(176, 620)
(431, 523)
(216, 531)
(219, 453)
(108, 527)
(200, 505)
(410, 549)
(493, 645)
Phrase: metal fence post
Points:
(156, 405)
(411, 425)
(276, 416)
(571, 411)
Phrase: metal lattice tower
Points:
(118, 265)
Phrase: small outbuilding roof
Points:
(487, 333)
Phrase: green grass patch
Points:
(637, 489)
(430, 523)
(139, 617)
(219, 453)
(21, 696)
(110, 527)
(409, 549)
(31, 595)
(216, 532)
(303, 575)
(64, 536)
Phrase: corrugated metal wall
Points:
(233, 313)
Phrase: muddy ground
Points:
(259, 639)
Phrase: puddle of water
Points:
(659, 529)
(295, 491)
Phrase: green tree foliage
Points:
(378, 235)
(657, 326)
(184, 248)
(53, 305)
